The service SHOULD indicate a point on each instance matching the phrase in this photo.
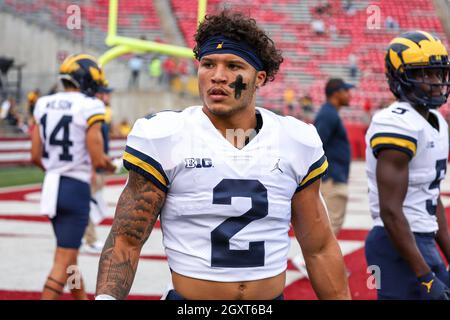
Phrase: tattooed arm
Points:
(136, 213)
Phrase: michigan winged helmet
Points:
(83, 72)
(417, 68)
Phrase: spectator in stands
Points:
(14, 118)
(4, 108)
(318, 26)
(349, 7)
(353, 65)
(307, 108)
(318, 10)
(289, 100)
(391, 24)
(324, 9)
(337, 150)
(135, 65)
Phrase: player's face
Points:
(227, 83)
(428, 77)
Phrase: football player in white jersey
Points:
(66, 143)
(224, 179)
(407, 150)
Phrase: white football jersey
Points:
(402, 128)
(227, 211)
(64, 118)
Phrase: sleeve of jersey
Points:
(316, 171)
(37, 111)
(141, 157)
(393, 138)
(95, 113)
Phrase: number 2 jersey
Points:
(402, 128)
(227, 211)
(64, 118)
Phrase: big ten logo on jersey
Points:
(198, 162)
(59, 105)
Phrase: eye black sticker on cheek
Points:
(238, 86)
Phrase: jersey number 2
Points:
(221, 254)
(65, 142)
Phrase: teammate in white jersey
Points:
(225, 203)
(407, 150)
(66, 143)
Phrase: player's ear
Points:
(260, 78)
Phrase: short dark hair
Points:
(335, 84)
(67, 84)
(239, 27)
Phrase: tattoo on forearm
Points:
(136, 213)
(121, 274)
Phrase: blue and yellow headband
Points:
(221, 44)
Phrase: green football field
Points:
(16, 176)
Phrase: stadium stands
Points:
(309, 58)
(136, 18)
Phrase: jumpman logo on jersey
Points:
(277, 166)
(428, 285)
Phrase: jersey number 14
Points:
(65, 142)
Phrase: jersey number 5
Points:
(221, 254)
(441, 165)
(65, 142)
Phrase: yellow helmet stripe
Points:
(68, 65)
(394, 56)
(96, 74)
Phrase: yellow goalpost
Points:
(123, 45)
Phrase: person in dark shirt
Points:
(337, 150)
